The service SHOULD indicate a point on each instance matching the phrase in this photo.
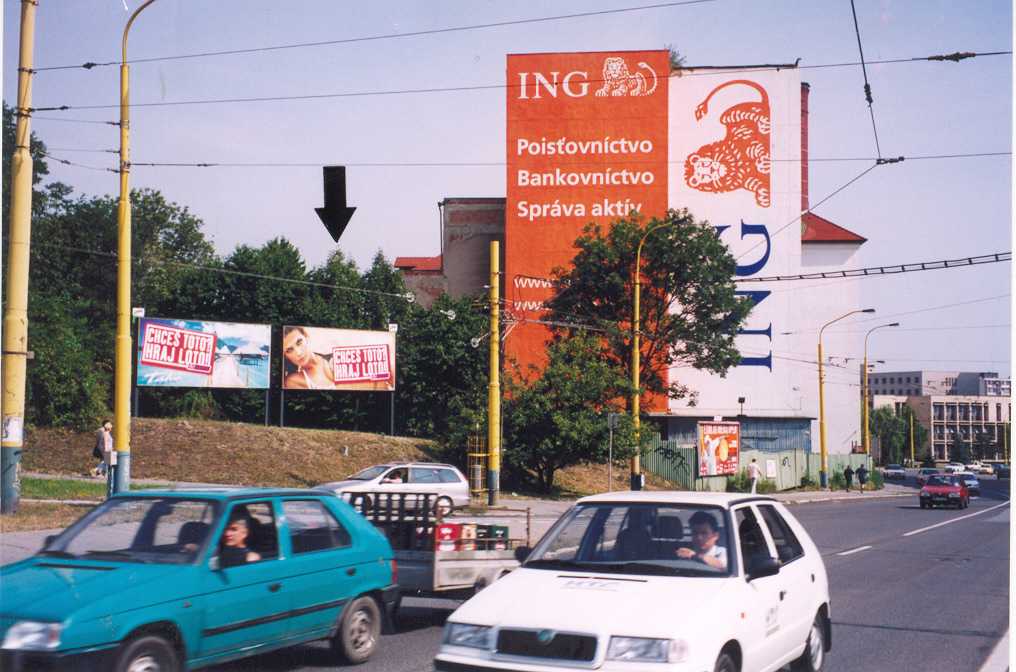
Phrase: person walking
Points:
(862, 476)
(108, 456)
(753, 474)
(848, 476)
(103, 438)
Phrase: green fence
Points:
(676, 462)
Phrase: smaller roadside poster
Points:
(316, 358)
(193, 353)
(718, 448)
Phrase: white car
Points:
(630, 581)
(407, 478)
(894, 471)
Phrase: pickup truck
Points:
(437, 558)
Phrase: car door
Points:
(425, 480)
(323, 571)
(761, 610)
(797, 578)
(246, 606)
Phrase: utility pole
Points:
(15, 319)
(494, 388)
(911, 414)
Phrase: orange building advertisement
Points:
(719, 448)
(586, 142)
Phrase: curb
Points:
(71, 502)
(862, 498)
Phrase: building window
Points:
(950, 413)
(998, 412)
(939, 411)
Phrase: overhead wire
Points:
(867, 86)
(893, 269)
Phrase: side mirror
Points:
(49, 539)
(762, 565)
(522, 552)
(213, 563)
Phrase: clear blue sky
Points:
(916, 211)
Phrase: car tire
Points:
(359, 631)
(444, 507)
(924, 505)
(148, 653)
(814, 648)
(725, 663)
(365, 505)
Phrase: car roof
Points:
(412, 464)
(724, 499)
(224, 493)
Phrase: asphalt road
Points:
(917, 599)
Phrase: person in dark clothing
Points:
(234, 550)
(848, 476)
(862, 476)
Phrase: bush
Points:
(807, 482)
(876, 479)
(837, 482)
(740, 482)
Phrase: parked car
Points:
(169, 581)
(428, 478)
(986, 469)
(661, 580)
(969, 480)
(924, 473)
(973, 467)
(944, 489)
(894, 471)
(1003, 471)
(953, 467)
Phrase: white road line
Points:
(954, 520)
(999, 658)
(855, 550)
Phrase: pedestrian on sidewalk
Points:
(848, 476)
(753, 474)
(103, 443)
(862, 476)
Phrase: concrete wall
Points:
(468, 225)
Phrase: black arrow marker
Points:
(335, 215)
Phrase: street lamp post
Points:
(122, 372)
(865, 392)
(636, 471)
(823, 474)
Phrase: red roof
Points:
(815, 229)
(418, 263)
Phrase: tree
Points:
(560, 419)
(893, 431)
(984, 447)
(690, 309)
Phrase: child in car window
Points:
(704, 535)
(234, 550)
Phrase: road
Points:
(923, 599)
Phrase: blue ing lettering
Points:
(755, 296)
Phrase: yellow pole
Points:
(15, 318)
(494, 388)
(122, 372)
(635, 482)
(911, 435)
(823, 474)
(866, 437)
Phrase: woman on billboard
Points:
(304, 368)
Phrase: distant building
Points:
(953, 420)
(923, 383)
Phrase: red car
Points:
(944, 489)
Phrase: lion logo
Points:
(741, 160)
(619, 81)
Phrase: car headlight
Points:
(462, 634)
(33, 636)
(644, 649)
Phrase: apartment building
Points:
(924, 382)
(954, 421)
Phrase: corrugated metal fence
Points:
(676, 461)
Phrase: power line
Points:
(874, 271)
(361, 94)
(77, 121)
(373, 38)
(867, 86)
(926, 309)
(67, 162)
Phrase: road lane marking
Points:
(953, 520)
(855, 550)
(999, 658)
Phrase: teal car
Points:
(176, 580)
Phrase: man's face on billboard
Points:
(296, 348)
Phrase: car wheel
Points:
(148, 653)
(365, 505)
(814, 648)
(359, 631)
(924, 505)
(725, 663)
(444, 507)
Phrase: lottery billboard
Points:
(315, 358)
(192, 353)
(586, 142)
(719, 447)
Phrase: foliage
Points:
(560, 419)
(690, 311)
(807, 481)
(876, 480)
(893, 432)
(741, 482)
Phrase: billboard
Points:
(192, 353)
(586, 142)
(315, 358)
(719, 446)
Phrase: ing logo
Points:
(617, 80)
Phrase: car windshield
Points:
(142, 529)
(369, 473)
(646, 539)
(940, 480)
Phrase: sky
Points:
(918, 210)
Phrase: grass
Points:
(41, 516)
(61, 488)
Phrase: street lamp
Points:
(122, 372)
(866, 436)
(823, 474)
(636, 475)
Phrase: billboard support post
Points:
(394, 330)
(282, 408)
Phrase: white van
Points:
(672, 580)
